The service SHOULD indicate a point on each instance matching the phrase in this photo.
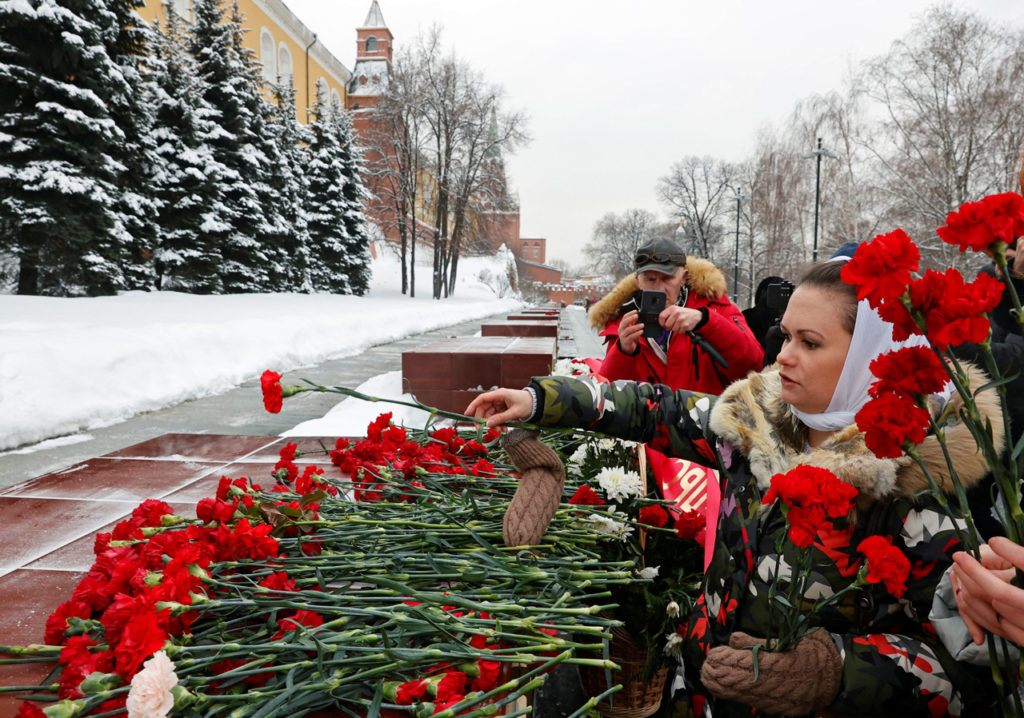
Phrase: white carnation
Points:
(609, 527)
(672, 643)
(619, 484)
(150, 693)
(648, 572)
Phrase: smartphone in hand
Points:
(651, 305)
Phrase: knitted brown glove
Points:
(795, 682)
(539, 492)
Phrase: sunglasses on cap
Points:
(661, 258)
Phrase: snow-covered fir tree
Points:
(355, 194)
(57, 137)
(186, 184)
(326, 207)
(228, 90)
(291, 186)
(129, 42)
(273, 230)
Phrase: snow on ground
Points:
(68, 365)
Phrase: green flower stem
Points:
(969, 539)
(33, 649)
(433, 411)
(590, 707)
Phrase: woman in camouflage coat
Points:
(877, 655)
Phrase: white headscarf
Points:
(872, 336)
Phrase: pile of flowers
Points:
(616, 499)
(384, 586)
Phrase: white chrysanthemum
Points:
(579, 456)
(563, 367)
(648, 572)
(672, 609)
(619, 484)
(609, 527)
(673, 642)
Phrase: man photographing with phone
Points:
(683, 336)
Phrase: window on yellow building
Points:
(336, 97)
(284, 65)
(268, 56)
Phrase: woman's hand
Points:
(679, 319)
(630, 331)
(984, 595)
(501, 406)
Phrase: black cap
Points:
(659, 255)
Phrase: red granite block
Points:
(527, 357)
(474, 366)
(311, 449)
(437, 398)
(201, 447)
(531, 317)
(35, 527)
(29, 597)
(115, 480)
(79, 556)
(428, 364)
(509, 328)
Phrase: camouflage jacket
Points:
(893, 663)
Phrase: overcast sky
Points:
(617, 92)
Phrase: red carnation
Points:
(28, 709)
(490, 672)
(289, 450)
(889, 422)
(810, 496)
(57, 623)
(881, 268)
(586, 496)
(656, 516)
(886, 564)
(453, 683)
(908, 372)
(689, 525)
(979, 225)
(407, 693)
(272, 394)
(141, 638)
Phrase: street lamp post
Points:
(736, 259)
(818, 153)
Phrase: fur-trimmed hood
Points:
(702, 277)
(752, 416)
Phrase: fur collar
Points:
(702, 277)
(751, 415)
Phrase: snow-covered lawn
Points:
(67, 365)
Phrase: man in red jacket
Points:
(696, 304)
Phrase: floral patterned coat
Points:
(893, 664)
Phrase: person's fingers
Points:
(1007, 550)
(480, 405)
(628, 320)
(978, 588)
(975, 631)
(1011, 622)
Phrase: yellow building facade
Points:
(285, 47)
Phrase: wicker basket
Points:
(638, 698)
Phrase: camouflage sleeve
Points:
(674, 423)
(908, 671)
